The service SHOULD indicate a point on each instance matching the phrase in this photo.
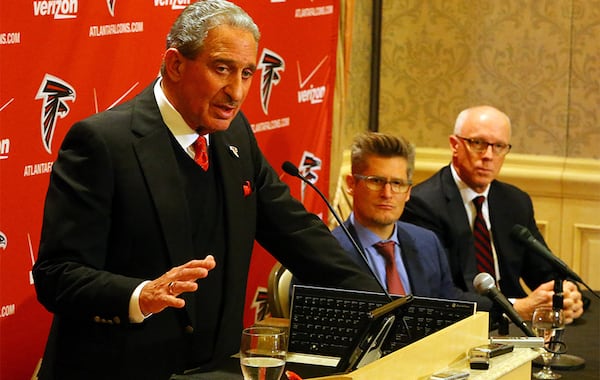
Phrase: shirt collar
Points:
(466, 193)
(184, 135)
(368, 238)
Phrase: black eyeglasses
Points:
(377, 183)
(480, 146)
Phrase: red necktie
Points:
(483, 245)
(201, 155)
(386, 249)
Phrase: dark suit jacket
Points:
(422, 254)
(436, 204)
(115, 215)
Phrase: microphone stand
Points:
(561, 361)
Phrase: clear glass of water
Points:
(549, 324)
(262, 353)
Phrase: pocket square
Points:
(247, 188)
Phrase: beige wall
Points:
(539, 61)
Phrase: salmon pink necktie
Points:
(386, 249)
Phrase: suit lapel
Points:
(463, 256)
(229, 155)
(500, 220)
(168, 194)
(232, 152)
(159, 167)
(359, 258)
(411, 260)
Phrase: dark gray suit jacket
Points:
(436, 204)
(115, 215)
(423, 256)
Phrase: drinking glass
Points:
(547, 322)
(262, 353)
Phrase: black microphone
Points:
(292, 170)
(523, 235)
(486, 286)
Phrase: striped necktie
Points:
(483, 244)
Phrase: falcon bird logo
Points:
(3, 240)
(271, 64)
(260, 304)
(309, 164)
(55, 92)
(111, 6)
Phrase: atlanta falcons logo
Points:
(307, 168)
(111, 6)
(3, 240)
(55, 92)
(270, 64)
(260, 304)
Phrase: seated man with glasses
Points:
(473, 213)
(406, 258)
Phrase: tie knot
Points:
(478, 201)
(386, 249)
(200, 143)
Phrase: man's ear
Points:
(454, 141)
(349, 183)
(174, 64)
(407, 195)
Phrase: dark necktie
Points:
(483, 245)
(394, 284)
(201, 152)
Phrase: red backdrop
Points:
(64, 60)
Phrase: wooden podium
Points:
(446, 349)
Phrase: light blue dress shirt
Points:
(376, 261)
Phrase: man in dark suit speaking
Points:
(152, 211)
(380, 185)
(477, 235)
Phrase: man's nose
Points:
(235, 88)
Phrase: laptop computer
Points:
(326, 322)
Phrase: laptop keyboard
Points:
(324, 321)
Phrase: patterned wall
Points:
(539, 61)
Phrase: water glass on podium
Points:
(549, 324)
(262, 353)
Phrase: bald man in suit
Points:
(443, 204)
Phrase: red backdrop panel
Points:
(62, 61)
